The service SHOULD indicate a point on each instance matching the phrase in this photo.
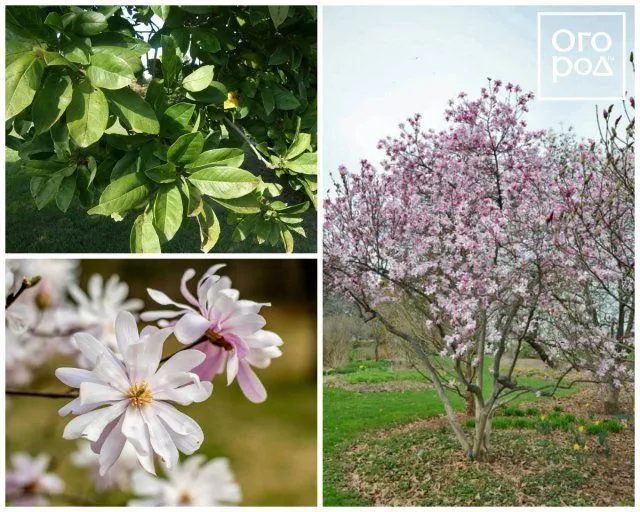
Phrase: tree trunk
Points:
(470, 407)
(480, 450)
(611, 400)
(377, 350)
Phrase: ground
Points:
(49, 230)
(387, 443)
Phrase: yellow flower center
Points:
(139, 394)
(184, 498)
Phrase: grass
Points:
(50, 231)
(348, 415)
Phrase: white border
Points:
(623, 59)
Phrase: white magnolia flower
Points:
(24, 350)
(9, 278)
(55, 278)
(27, 481)
(230, 330)
(99, 308)
(118, 477)
(191, 483)
(127, 400)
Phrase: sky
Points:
(383, 64)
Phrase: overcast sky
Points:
(382, 64)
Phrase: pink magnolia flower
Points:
(228, 330)
(27, 481)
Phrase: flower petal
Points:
(250, 384)
(73, 377)
(164, 300)
(185, 432)
(212, 365)
(93, 393)
(244, 325)
(152, 316)
(161, 441)
(111, 448)
(186, 277)
(191, 327)
(126, 331)
(232, 367)
(183, 361)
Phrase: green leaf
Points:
(195, 202)
(199, 79)
(215, 94)
(77, 50)
(165, 173)
(224, 182)
(144, 238)
(176, 118)
(226, 157)
(87, 115)
(66, 192)
(206, 40)
(268, 100)
(22, 79)
(304, 164)
(46, 190)
(278, 14)
(168, 211)
(109, 72)
(161, 11)
(52, 59)
(136, 113)
(54, 21)
(171, 62)
(287, 240)
(90, 23)
(209, 228)
(52, 100)
(16, 48)
(129, 56)
(285, 100)
(122, 195)
(300, 144)
(245, 205)
(60, 138)
(186, 149)
(43, 168)
(295, 209)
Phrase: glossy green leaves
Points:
(109, 71)
(52, 100)
(199, 79)
(136, 113)
(22, 79)
(87, 115)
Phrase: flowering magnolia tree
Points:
(593, 314)
(123, 392)
(449, 245)
(146, 112)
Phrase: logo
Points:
(581, 55)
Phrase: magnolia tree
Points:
(453, 228)
(593, 313)
(147, 111)
(123, 391)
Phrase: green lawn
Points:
(49, 230)
(348, 414)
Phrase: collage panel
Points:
(478, 252)
(167, 128)
(161, 382)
